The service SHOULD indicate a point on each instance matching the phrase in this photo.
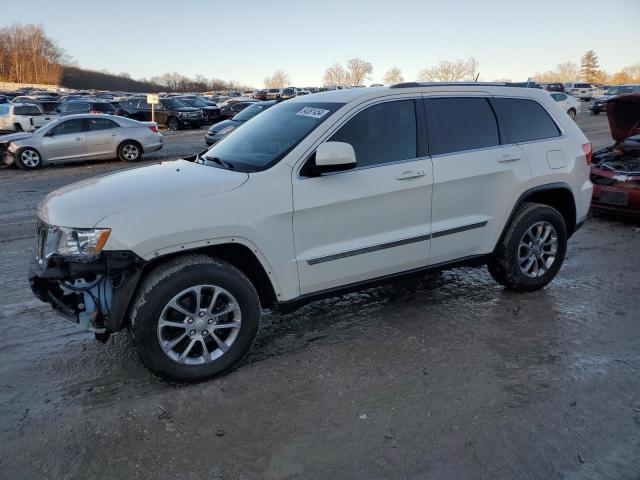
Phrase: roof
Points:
(349, 94)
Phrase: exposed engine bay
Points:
(621, 158)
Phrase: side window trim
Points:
(343, 121)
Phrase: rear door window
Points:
(101, 124)
(459, 124)
(27, 110)
(382, 133)
(523, 120)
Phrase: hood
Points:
(224, 124)
(12, 137)
(623, 112)
(85, 203)
(185, 109)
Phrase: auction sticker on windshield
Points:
(312, 112)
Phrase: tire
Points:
(129, 151)
(173, 124)
(572, 113)
(18, 127)
(28, 159)
(152, 305)
(595, 112)
(505, 266)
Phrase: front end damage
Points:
(94, 292)
(615, 170)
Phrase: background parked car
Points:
(287, 93)
(569, 104)
(84, 137)
(170, 112)
(599, 104)
(22, 117)
(48, 107)
(552, 87)
(74, 107)
(231, 109)
(273, 94)
(210, 113)
(260, 95)
(220, 130)
(615, 170)
(583, 91)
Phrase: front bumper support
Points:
(95, 294)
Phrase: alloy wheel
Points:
(199, 325)
(130, 151)
(30, 158)
(538, 249)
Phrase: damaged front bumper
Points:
(95, 294)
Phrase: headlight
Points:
(182, 114)
(74, 242)
(227, 130)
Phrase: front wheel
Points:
(532, 250)
(194, 318)
(28, 159)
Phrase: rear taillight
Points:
(154, 128)
(586, 148)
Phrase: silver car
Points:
(81, 137)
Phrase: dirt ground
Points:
(446, 377)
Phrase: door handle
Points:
(113, 134)
(410, 174)
(78, 139)
(508, 158)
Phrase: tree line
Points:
(27, 55)
(589, 71)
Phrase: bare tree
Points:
(359, 71)
(27, 55)
(336, 76)
(393, 76)
(279, 79)
(445, 71)
(564, 72)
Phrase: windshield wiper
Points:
(221, 162)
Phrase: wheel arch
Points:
(122, 142)
(237, 254)
(556, 195)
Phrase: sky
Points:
(248, 40)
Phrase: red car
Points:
(615, 170)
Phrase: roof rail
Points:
(447, 84)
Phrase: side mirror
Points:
(50, 133)
(333, 157)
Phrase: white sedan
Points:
(568, 103)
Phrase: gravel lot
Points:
(449, 376)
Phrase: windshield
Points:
(268, 137)
(194, 102)
(250, 112)
(172, 103)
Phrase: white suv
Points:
(317, 196)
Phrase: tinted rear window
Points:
(102, 107)
(459, 124)
(27, 110)
(523, 120)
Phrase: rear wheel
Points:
(28, 159)
(532, 250)
(129, 151)
(595, 111)
(194, 318)
(572, 113)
